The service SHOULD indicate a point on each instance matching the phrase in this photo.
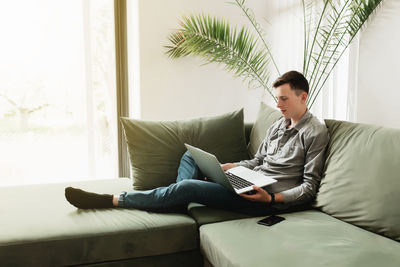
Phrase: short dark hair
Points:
(295, 79)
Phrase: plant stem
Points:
(337, 60)
(305, 36)
(315, 37)
(324, 49)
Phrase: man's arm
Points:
(258, 157)
(228, 166)
(262, 196)
(261, 151)
(252, 163)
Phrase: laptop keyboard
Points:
(237, 182)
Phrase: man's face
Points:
(290, 104)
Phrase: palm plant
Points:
(329, 28)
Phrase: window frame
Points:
(122, 88)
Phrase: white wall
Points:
(379, 71)
(180, 89)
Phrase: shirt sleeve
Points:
(258, 157)
(260, 154)
(316, 145)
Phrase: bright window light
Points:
(57, 91)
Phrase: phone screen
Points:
(271, 220)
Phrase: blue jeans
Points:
(191, 187)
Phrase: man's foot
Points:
(87, 200)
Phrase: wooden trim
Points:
(121, 60)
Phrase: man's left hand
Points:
(260, 196)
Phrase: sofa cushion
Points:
(40, 228)
(265, 118)
(309, 238)
(192, 258)
(155, 148)
(361, 181)
(203, 214)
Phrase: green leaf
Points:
(215, 41)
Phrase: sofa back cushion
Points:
(265, 118)
(361, 181)
(155, 148)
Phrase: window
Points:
(57, 91)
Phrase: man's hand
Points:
(260, 196)
(228, 166)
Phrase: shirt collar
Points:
(299, 125)
(303, 120)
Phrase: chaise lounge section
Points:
(40, 228)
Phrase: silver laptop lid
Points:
(209, 166)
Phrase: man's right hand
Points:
(228, 166)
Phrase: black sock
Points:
(87, 200)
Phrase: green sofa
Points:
(354, 221)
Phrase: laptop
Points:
(239, 179)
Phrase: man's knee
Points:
(187, 157)
(188, 185)
(187, 168)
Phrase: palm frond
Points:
(329, 36)
(257, 27)
(215, 41)
(305, 67)
(342, 22)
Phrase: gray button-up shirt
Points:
(295, 157)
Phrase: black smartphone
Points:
(271, 220)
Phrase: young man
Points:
(292, 153)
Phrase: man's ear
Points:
(304, 97)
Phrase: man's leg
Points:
(188, 168)
(88, 200)
(171, 198)
(178, 195)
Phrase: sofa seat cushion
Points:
(204, 215)
(308, 238)
(40, 228)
